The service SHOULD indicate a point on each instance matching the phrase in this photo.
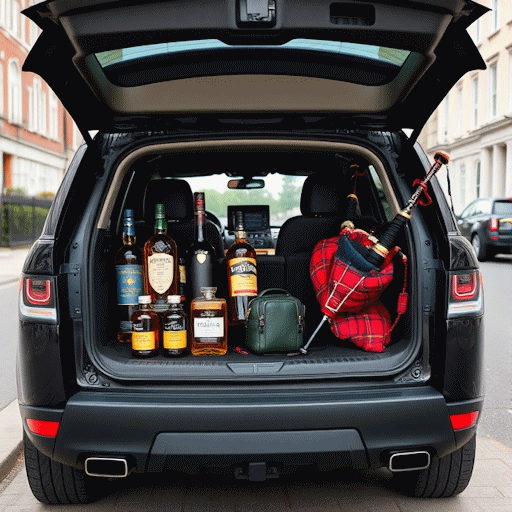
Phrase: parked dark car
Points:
(194, 89)
(487, 224)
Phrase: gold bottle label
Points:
(160, 271)
(143, 340)
(242, 272)
(175, 339)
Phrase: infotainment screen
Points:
(256, 218)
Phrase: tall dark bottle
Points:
(242, 275)
(201, 254)
(129, 276)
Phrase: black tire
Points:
(479, 247)
(53, 483)
(447, 476)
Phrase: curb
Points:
(11, 433)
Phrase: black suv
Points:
(191, 89)
(487, 223)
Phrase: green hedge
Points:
(22, 223)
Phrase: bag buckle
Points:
(261, 322)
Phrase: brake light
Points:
(464, 286)
(43, 427)
(465, 420)
(465, 294)
(38, 291)
(493, 224)
(37, 299)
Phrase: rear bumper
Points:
(158, 432)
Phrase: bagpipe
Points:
(351, 271)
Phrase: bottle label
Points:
(175, 339)
(143, 340)
(208, 327)
(243, 277)
(160, 271)
(129, 284)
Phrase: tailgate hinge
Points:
(72, 271)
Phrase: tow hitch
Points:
(256, 472)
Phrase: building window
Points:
(493, 90)
(474, 101)
(478, 178)
(476, 32)
(495, 16)
(446, 119)
(460, 110)
(1, 90)
(54, 119)
(15, 113)
(463, 185)
(16, 18)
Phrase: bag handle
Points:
(273, 290)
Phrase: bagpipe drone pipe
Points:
(351, 271)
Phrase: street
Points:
(496, 420)
(311, 491)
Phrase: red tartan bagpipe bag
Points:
(348, 289)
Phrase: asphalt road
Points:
(496, 419)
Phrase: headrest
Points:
(175, 195)
(321, 198)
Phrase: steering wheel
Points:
(213, 218)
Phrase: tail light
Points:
(465, 290)
(493, 224)
(43, 427)
(465, 420)
(466, 293)
(37, 298)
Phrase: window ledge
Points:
(496, 32)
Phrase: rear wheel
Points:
(479, 247)
(446, 476)
(56, 484)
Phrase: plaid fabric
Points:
(338, 285)
(369, 330)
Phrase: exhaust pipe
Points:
(409, 461)
(106, 467)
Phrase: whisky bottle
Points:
(145, 330)
(174, 328)
(128, 262)
(201, 255)
(242, 275)
(161, 273)
(208, 324)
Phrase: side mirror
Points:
(245, 184)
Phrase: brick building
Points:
(37, 136)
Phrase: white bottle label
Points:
(160, 271)
(209, 327)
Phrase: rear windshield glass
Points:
(380, 54)
(503, 207)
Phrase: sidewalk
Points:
(11, 265)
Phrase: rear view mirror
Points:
(246, 183)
